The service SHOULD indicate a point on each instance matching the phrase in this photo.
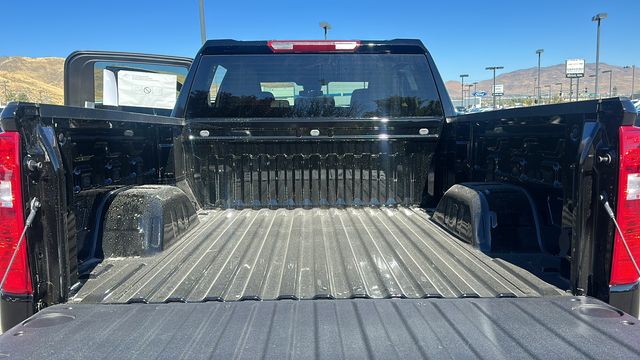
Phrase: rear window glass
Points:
(314, 85)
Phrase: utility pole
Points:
(6, 91)
(493, 90)
(203, 31)
(610, 76)
(591, 76)
(539, 52)
(598, 18)
(475, 90)
(633, 79)
(462, 76)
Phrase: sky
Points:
(462, 36)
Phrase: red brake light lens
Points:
(628, 209)
(302, 46)
(12, 217)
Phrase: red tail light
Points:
(628, 210)
(301, 46)
(12, 217)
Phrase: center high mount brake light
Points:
(302, 46)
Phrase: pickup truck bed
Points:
(563, 327)
(416, 232)
(314, 253)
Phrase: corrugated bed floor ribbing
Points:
(310, 253)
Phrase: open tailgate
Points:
(554, 327)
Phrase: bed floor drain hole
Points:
(598, 311)
(47, 320)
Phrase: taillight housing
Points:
(311, 46)
(12, 217)
(628, 209)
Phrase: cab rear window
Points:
(314, 85)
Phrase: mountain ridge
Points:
(32, 79)
(522, 82)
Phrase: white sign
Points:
(145, 89)
(574, 68)
(141, 89)
(498, 90)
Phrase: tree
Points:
(16, 96)
(21, 97)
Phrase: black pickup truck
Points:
(312, 199)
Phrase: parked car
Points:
(312, 199)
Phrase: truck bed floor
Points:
(306, 254)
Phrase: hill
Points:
(522, 82)
(31, 79)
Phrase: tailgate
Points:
(551, 328)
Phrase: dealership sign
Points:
(574, 68)
(498, 90)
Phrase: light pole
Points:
(326, 26)
(203, 32)
(633, 79)
(493, 90)
(462, 76)
(539, 52)
(548, 93)
(469, 86)
(598, 18)
(560, 90)
(610, 76)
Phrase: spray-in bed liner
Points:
(271, 254)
